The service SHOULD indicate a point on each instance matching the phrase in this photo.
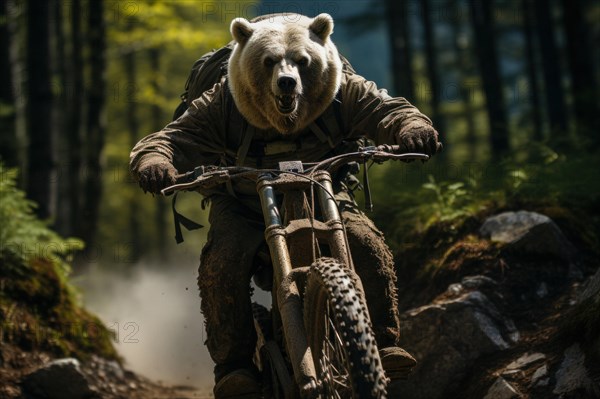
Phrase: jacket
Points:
(213, 132)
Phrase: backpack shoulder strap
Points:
(329, 123)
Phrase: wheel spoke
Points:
(333, 367)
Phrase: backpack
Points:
(206, 72)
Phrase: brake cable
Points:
(367, 187)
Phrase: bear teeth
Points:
(286, 103)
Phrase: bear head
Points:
(284, 70)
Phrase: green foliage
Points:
(539, 178)
(180, 32)
(177, 33)
(38, 306)
(450, 200)
(25, 236)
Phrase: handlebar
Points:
(206, 177)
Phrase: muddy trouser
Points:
(226, 267)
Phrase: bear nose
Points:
(286, 83)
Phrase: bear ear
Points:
(241, 30)
(322, 26)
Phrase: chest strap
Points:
(248, 132)
(321, 135)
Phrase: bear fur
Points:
(284, 71)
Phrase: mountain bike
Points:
(317, 340)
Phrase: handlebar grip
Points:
(184, 177)
(191, 175)
(391, 148)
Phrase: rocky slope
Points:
(506, 306)
(50, 347)
(509, 308)
(33, 374)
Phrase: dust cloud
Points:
(155, 314)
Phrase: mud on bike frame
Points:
(293, 242)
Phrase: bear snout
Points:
(286, 83)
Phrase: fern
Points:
(452, 200)
(23, 235)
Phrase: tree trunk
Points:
(62, 223)
(583, 80)
(483, 27)
(432, 68)
(74, 95)
(133, 127)
(464, 65)
(17, 31)
(94, 132)
(8, 138)
(555, 96)
(398, 27)
(40, 162)
(157, 124)
(534, 88)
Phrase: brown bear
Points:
(284, 75)
(286, 96)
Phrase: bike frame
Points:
(292, 246)
(293, 243)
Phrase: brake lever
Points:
(214, 176)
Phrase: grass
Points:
(431, 219)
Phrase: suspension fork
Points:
(287, 293)
(274, 231)
(338, 242)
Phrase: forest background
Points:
(512, 86)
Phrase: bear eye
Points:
(302, 61)
(269, 62)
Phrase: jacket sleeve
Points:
(196, 138)
(372, 112)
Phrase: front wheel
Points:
(340, 335)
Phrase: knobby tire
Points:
(340, 334)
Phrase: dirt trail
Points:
(104, 377)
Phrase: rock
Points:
(575, 272)
(538, 375)
(455, 289)
(501, 389)
(478, 281)
(109, 368)
(592, 288)
(572, 374)
(543, 383)
(526, 360)
(528, 232)
(542, 290)
(446, 337)
(59, 379)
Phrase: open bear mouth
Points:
(286, 103)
